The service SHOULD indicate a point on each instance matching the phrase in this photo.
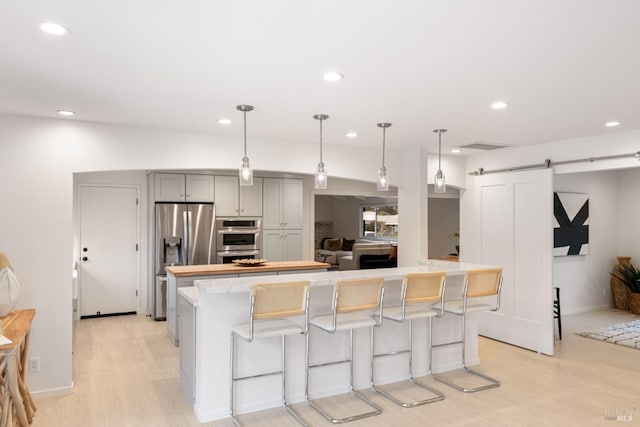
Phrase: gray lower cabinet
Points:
(187, 331)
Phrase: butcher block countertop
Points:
(215, 269)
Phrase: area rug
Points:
(626, 334)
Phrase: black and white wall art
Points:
(571, 224)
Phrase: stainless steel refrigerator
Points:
(185, 235)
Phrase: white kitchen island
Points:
(215, 305)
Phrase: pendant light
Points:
(439, 185)
(321, 171)
(246, 174)
(383, 180)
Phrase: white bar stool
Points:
(479, 283)
(419, 292)
(351, 307)
(270, 307)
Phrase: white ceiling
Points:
(565, 67)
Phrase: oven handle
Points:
(238, 230)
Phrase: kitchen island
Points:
(185, 275)
(213, 306)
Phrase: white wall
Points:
(584, 280)
(39, 158)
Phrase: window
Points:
(380, 221)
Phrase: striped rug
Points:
(626, 334)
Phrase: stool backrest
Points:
(4, 262)
(359, 294)
(424, 287)
(277, 300)
(483, 282)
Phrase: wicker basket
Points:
(619, 290)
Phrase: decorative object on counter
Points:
(321, 171)
(248, 262)
(619, 289)
(630, 276)
(383, 180)
(9, 287)
(246, 174)
(571, 224)
(626, 334)
(439, 185)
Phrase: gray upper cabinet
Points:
(235, 200)
(172, 187)
(282, 203)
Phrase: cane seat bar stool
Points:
(419, 292)
(353, 301)
(271, 307)
(478, 284)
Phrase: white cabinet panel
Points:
(170, 187)
(282, 203)
(187, 331)
(282, 245)
(199, 188)
(292, 203)
(226, 195)
(272, 210)
(235, 200)
(251, 199)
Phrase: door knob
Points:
(84, 258)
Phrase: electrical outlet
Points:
(34, 364)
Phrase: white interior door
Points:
(512, 213)
(109, 259)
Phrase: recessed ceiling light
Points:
(499, 105)
(54, 29)
(332, 76)
(612, 124)
(66, 112)
(225, 121)
(455, 150)
(351, 134)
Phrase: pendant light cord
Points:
(384, 133)
(439, 148)
(245, 132)
(321, 120)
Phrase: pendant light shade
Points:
(245, 173)
(383, 179)
(321, 171)
(439, 185)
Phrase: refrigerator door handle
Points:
(186, 221)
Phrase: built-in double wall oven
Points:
(237, 238)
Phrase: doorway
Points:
(109, 264)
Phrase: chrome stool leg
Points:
(438, 396)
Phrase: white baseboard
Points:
(61, 391)
(584, 309)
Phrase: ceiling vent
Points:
(483, 146)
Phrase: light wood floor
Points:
(126, 374)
